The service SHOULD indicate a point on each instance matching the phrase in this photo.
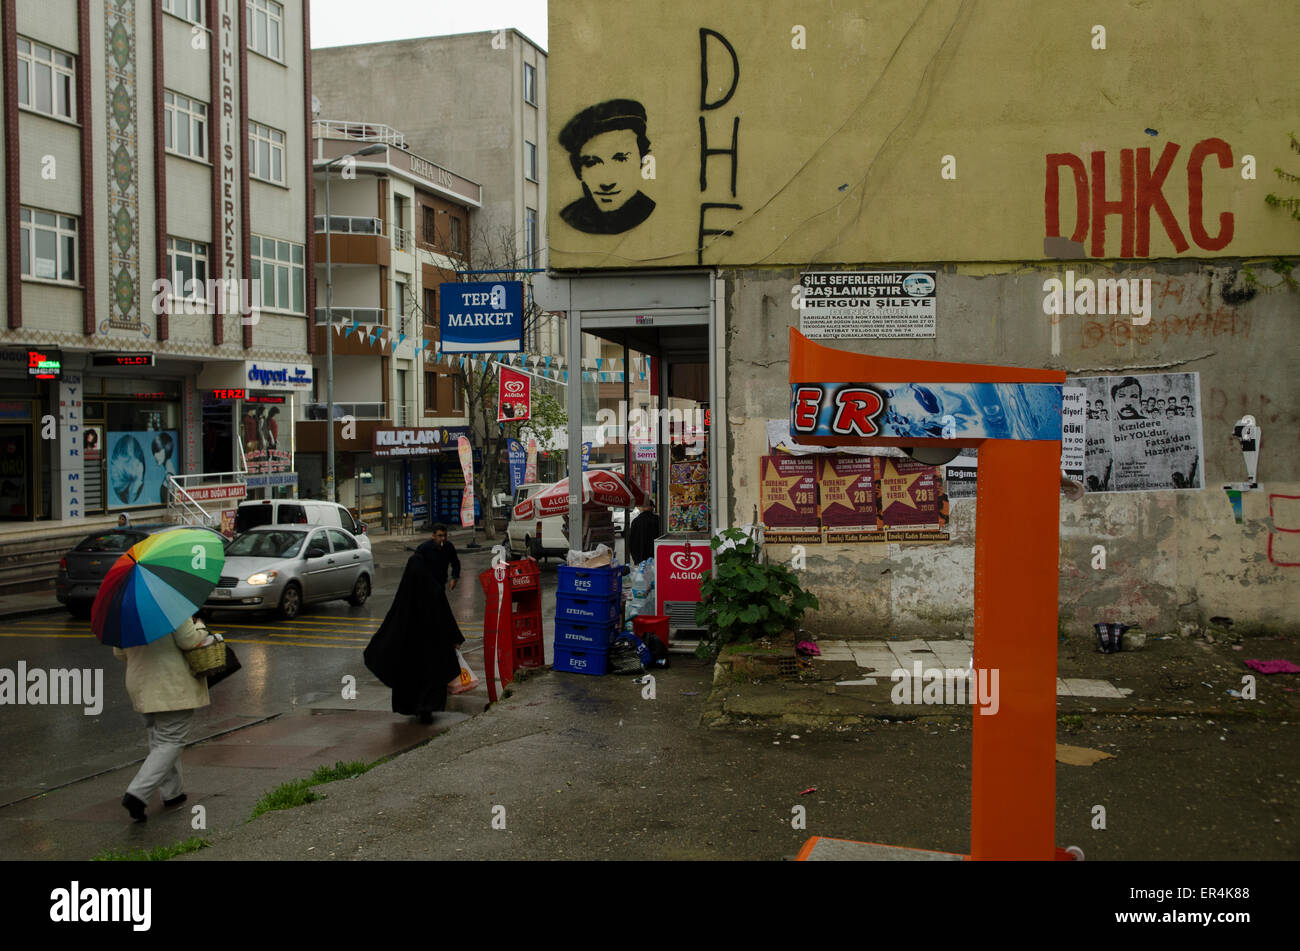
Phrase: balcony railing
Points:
(354, 410)
(351, 315)
(403, 240)
(357, 131)
(349, 224)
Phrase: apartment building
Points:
(398, 225)
(155, 248)
(475, 102)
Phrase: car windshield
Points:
(279, 544)
(110, 541)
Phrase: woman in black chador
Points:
(414, 650)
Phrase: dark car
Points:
(82, 570)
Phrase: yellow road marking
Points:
(36, 634)
(314, 637)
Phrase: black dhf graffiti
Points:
(705, 151)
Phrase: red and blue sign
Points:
(926, 410)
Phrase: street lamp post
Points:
(329, 322)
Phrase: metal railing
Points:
(355, 410)
(403, 239)
(357, 131)
(351, 315)
(181, 506)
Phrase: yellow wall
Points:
(840, 144)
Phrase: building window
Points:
(266, 28)
(399, 312)
(455, 234)
(186, 125)
(431, 394)
(530, 236)
(187, 265)
(191, 10)
(430, 306)
(279, 264)
(430, 227)
(46, 79)
(48, 246)
(530, 83)
(530, 161)
(265, 153)
(456, 394)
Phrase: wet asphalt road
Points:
(286, 665)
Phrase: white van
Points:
(253, 514)
(538, 537)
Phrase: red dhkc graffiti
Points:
(1141, 192)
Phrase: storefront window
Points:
(142, 441)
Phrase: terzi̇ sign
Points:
(926, 410)
(481, 317)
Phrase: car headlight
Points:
(262, 577)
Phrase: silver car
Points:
(284, 567)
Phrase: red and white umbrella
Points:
(600, 489)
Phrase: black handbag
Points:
(232, 665)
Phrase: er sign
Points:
(481, 317)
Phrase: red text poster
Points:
(788, 498)
(909, 500)
(846, 485)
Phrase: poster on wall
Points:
(959, 475)
(873, 304)
(1073, 431)
(266, 448)
(1143, 433)
(788, 499)
(848, 497)
(138, 466)
(911, 503)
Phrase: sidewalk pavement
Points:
(577, 767)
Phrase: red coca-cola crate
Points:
(530, 655)
(526, 627)
(523, 575)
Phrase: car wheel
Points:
(80, 610)
(360, 591)
(205, 615)
(291, 601)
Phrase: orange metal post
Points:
(1013, 757)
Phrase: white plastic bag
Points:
(465, 681)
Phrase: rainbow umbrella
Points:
(156, 585)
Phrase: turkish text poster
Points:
(788, 499)
(846, 485)
(1143, 433)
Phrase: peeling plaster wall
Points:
(1172, 556)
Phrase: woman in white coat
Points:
(161, 686)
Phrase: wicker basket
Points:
(205, 660)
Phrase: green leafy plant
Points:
(745, 598)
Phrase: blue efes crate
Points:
(569, 607)
(575, 634)
(577, 661)
(604, 582)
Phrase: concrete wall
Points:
(1171, 555)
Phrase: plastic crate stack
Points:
(588, 602)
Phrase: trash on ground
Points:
(1273, 666)
(810, 789)
(1235, 693)
(809, 648)
(1079, 755)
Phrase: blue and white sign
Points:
(518, 463)
(927, 410)
(481, 317)
(270, 480)
(586, 455)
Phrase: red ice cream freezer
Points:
(682, 561)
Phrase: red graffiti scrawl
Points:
(1135, 191)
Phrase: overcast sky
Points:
(345, 22)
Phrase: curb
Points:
(30, 612)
